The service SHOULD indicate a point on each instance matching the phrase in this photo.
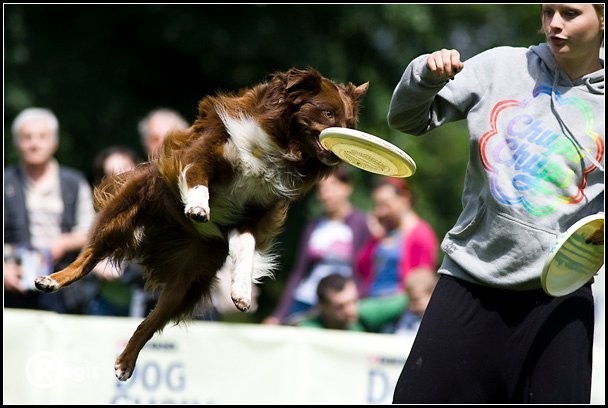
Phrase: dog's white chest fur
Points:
(258, 160)
(263, 175)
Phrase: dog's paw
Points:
(198, 214)
(46, 284)
(197, 203)
(241, 303)
(122, 371)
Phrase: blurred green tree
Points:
(101, 68)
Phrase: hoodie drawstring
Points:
(563, 125)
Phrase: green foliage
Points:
(101, 68)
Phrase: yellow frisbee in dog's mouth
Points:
(367, 152)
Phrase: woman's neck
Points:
(577, 68)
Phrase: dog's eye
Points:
(329, 114)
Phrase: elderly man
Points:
(48, 210)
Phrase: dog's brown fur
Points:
(253, 152)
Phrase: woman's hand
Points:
(597, 237)
(444, 64)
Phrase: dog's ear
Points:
(301, 82)
(356, 93)
(361, 90)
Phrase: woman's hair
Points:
(599, 9)
(398, 184)
(341, 173)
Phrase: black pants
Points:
(482, 345)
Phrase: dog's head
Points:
(314, 103)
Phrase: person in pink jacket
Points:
(408, 241)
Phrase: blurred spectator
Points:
(120, 287)
(48, 210)
(340, 308)
(408, 242)
(113, 160)
(419, 287)
(328, 245)
(156, 125)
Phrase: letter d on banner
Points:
(377, 386)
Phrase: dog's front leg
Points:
(195, 198)
(241, 247)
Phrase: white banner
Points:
(61, 359)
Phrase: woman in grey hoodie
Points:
(535, 119)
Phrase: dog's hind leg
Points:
(162, 313)
(176, 300)
(112, 232)
(73, 272)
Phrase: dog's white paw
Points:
(123, 373)
(241, 303)
(197, 204)
(46, 284)
(198, 214)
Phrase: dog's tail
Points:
(264, 265)
(168, 160)
(111, 185)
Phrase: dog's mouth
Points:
(326, 157)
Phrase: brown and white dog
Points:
(216, 196)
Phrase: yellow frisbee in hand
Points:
(367, 152)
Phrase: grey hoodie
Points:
(536, 143)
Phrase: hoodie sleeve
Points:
(420, 103)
